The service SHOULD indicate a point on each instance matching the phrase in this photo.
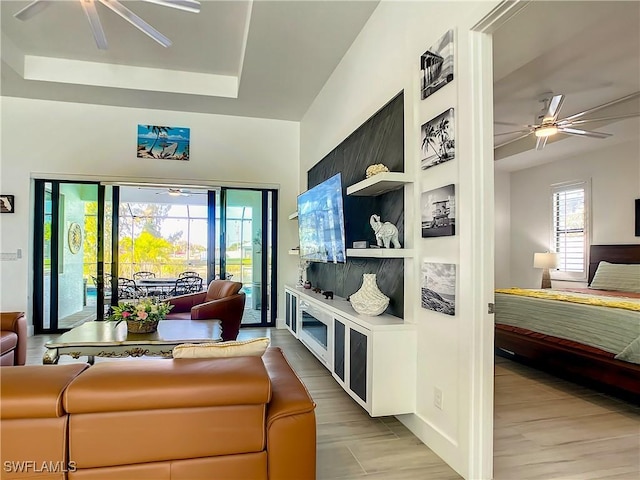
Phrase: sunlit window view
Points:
(163, 239)
(167, 245)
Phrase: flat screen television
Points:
(321, 222)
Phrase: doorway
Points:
(87, 234)
(65, 255)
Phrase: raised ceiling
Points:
(251, 58)
(270, 59)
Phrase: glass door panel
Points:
(65, 236)
(246, 249)
(78, 250)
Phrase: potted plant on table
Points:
(141, 316)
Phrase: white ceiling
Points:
(270, 59)
(275, 56)
(589, 51)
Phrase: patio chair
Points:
(127, 289)
(143, 274)
(186, 285)
(188, 273)
(223, 300)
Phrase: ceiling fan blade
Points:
(192, 6)
(511, 133)
(583, 133)
(512, 140)
(541, 142)
(32, 9)
(136, 21)
(567, 123)
(509, 124)
(89, 8)
(555, 104)
(600, 107)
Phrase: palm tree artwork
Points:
(158, 130)
(163, 142)
(438, 138)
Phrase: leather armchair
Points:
(13, 338)
(222, 301)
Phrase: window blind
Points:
(569, 227)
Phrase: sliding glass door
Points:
(89, 235)
(66, 254)
(247, 253)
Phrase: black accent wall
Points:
(379, 140)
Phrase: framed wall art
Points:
(439, 287)
(7, 203)
(438, 140)
(169, 143)
(438, 212)
(436, 65)
(637, 217)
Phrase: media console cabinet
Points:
(372, 358)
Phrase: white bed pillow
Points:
(617, 276)
(247, 348)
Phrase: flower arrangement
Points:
(375, 169)
(145, 313)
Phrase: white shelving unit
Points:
(380, 252)
(293, 216)
(378, 184)
(369, 357)
(294, 251)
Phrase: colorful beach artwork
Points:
(170, 143)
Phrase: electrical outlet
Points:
(437, 397)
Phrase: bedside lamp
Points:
(545, 261)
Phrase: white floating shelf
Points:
(294, 251)
(378, 184)
(293, 215)
(380, 252)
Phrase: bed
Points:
(599, 343)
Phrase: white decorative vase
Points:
(369, 300)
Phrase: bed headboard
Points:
(612, 254)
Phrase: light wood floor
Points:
(545, 428)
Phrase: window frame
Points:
(561, 187)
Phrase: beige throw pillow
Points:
(247, 348)
(617, 276)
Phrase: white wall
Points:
(383, 61)
(65, 140)
(503, 229)
(614, 173)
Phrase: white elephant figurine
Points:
(386, 233)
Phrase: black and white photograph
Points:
(436, 65)
(438, 140)
(6, 203)
(438, 210)
(439, 287)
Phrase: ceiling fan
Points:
(547, 124)
(89, 7)
(179, 192)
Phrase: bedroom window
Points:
(570, 239)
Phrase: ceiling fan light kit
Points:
(546, 131)
(547, 123)
(90, 10)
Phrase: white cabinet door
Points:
(291, 312)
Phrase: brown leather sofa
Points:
(223, 300)
(13, 338)
(229, 418)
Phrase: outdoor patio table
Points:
(162, 285)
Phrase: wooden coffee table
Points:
(105, 339)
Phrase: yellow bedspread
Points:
(574, 298)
